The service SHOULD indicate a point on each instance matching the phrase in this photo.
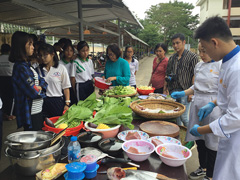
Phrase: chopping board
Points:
(160, 128)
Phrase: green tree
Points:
(173, 17)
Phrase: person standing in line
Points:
(56, 75)
(180, 73)
(6, 88)
(117, 69)
(133, 64)
(29, 89)
(216, 37)
(82, 72)
(205, 89)
(67, 60)
(160, 62)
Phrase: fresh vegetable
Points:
(161, 111)
(102, 126)
(121, 90)
(62, 126)
(127, 101)
(144, 87)
(90, 102)
(113, 114)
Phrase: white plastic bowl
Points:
(182, 153)
(107, 133)
(141, 146)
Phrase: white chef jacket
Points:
(57, 79)
(82, 70)
(133, 68)
(228, 126)
(205, 88)
(6, 66)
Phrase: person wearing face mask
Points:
(205, 89)
(82, 72)
(29, 88)
(117, 69)
(159, 69)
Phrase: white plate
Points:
(122, 135)
(143, 97)
(165, 139)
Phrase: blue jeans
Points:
(184, 118)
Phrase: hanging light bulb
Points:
(86, 31)
(69, 31)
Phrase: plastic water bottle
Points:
(74, 150)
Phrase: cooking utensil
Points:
(99, 154)
(30, 166)
(89, 139)
(160, 128)
(36, 153)
(29, 140)
(105, 172)
(111, 146)
(49, 122)
(58, 136)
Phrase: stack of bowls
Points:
(75, 171)
(29, 151)
(92, 166)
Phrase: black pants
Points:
(84, 90)
(1, 131)
(206, 157)
(53, 106)
(160, 90)
(37, 122)
(6, 91)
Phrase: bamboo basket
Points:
(156, 103)
(116, 96)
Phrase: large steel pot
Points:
(29, 140)
(30, 165)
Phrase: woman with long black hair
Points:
(29, 88)
(57, 77)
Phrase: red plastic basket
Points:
(145, 92)
(69, 131)
(100, 84)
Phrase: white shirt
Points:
(67, 66)
(133, 68)
(57, 79)
(6, 66)
(82, 70)
(36, 103)
(1, 103)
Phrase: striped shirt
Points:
(184, 70)
(36, 103)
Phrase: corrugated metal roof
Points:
(43, 14)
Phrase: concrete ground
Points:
(142, 77)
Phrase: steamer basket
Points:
(154, 104)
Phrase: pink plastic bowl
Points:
(142, 146)
(182, 153)
(107, 133)
(101, 84)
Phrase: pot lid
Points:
(111, 144)
(89, 137)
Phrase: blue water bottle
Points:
(74, 150)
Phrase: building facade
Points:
(210, 8)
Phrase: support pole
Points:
(80, 24)
(119, 32)
(229, 12)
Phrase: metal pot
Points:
(111, 146)
(29, 140)
(36, 153)
(29, 166)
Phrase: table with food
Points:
(126, 133)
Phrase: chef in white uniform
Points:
(205, 88)
(216, 38)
